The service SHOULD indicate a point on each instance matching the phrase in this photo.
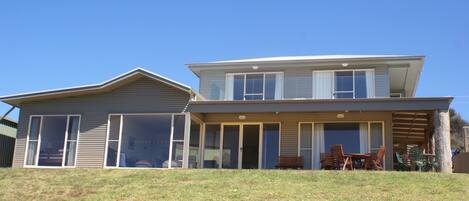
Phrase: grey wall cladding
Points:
(144, 95)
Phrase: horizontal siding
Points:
(141, 96)
(289, 123)
(20, 145)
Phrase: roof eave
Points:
(197, 65)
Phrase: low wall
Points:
(461, 163)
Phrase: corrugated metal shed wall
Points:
(7, 146)
(7, 142)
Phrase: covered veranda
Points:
(407, 122)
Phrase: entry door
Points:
(250, 148)
(231, 148)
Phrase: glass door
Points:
(230, 151)
(250, 148)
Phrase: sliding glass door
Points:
(355, 137)
(241, 145)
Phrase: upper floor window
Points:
(254, 86)
(343, 84)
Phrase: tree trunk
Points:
(443, 141)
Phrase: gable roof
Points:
(113, 83)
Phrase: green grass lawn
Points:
(100, 184)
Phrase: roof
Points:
(321, 105)
(313, 58)
(310, 58)
(120, 80)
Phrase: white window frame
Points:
(201, 139)
(369, 134)
(38, 148)
(334, 92)
(263, 84)
(120, 138)
(326, 122)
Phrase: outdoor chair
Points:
(401, 165)
(327, 161)
(376, 160)
(341, 160)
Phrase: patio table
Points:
(357, 159)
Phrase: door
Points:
(250, 148)
(230, 151)
(240, 146)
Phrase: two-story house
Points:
(246, 114)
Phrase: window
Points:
(346, 134)
(71, 142)
(33, 137)
(212, 146)
(270, 145)
(194, 145)
(113, 139)
(350, 84)
(376, 136)
(306, 146)
(254, 86)
(178, 141)
(343, 84)
(52, 140)
(144, 140)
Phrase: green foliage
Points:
(420, 162)
(457, 131)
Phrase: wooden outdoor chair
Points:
(290, 162)
(341, 160)
(327, 161)
(376, 160)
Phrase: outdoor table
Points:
(357, 159)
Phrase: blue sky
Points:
(53, 44)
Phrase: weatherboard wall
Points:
(144, 95)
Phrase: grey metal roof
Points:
(310, 58)
(18, 98)
(311, 105)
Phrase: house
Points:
(246, 114)
(7, 141)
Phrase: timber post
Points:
(443, 141)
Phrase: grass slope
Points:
(100, 184)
